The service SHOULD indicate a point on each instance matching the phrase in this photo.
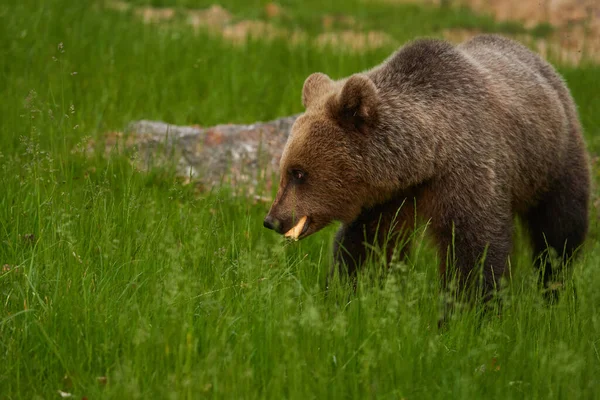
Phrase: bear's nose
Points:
(272, 223)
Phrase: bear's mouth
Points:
(299, 230)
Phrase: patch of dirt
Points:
(154, 15)
(214, 17)
(559, 13)
(576, 23)
(356, 41)
(118, 5)
(331, 21)
(273, 10)
(530, 12)
(239, 32)
(569, 49)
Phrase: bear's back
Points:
(516, 68)
(429, 69)
(541, 125)
(490, 98)
(484, 67)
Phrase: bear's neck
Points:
(403, 149)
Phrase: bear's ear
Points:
(357, 103)
(314, 86)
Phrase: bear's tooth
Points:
(297, 229)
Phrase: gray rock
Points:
(231, 154)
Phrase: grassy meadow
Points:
(122, 284)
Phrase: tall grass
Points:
(121, 284)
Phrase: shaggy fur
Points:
(468, 136)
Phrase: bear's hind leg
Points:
(559, 221)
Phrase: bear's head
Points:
(323, 164)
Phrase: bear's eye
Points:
(298, 176)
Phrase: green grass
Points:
(162, 292)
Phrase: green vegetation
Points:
(122, 284)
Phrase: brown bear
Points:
(465, 136)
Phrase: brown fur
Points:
(469, 136)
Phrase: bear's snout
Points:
(273, 223)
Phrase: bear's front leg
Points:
(385, 227)
(350, 248)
